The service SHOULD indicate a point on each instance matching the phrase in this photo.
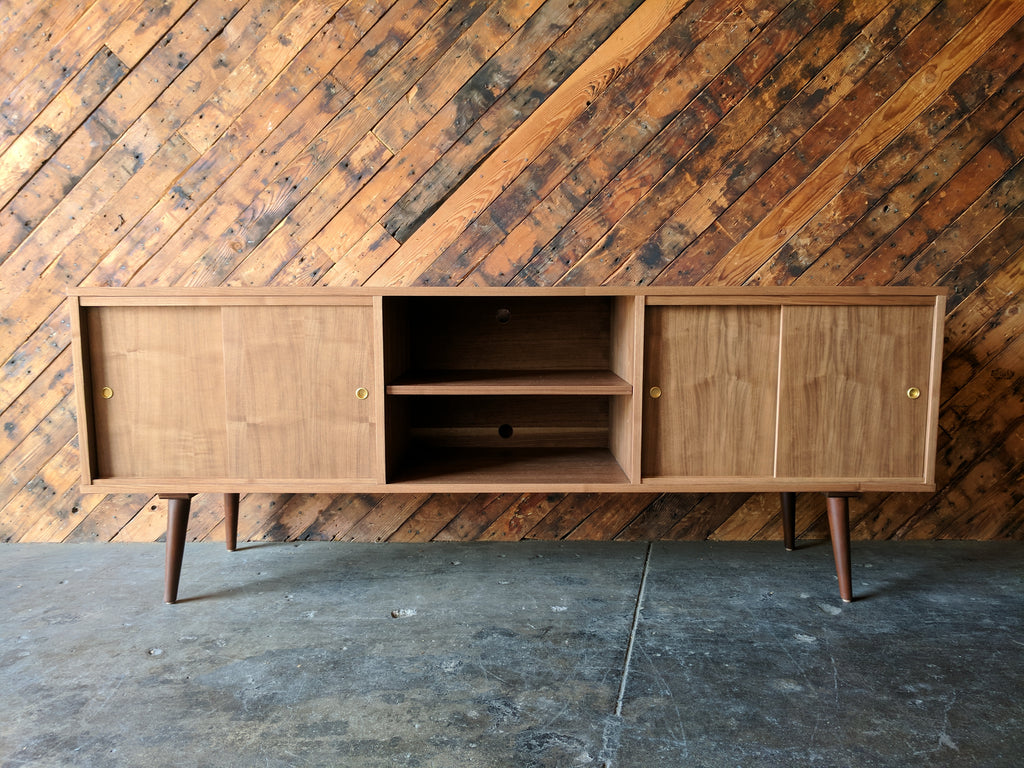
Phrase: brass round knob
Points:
(913, 393)
(362, 393)
(107, 393)
(655, 392)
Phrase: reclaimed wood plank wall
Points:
(513, 142)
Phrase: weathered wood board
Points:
(507, 142)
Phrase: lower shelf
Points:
(468, 467)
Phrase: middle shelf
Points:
(510, 382)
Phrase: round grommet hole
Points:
(503, 315)
(505, 431)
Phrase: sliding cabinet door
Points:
(710, 377)
(156, 391)
(855, 392)
(300, 392)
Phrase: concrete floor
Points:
(512, 655)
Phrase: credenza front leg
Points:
(231, 520)
(789, 519)
(839, 527)
(178, 507)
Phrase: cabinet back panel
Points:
(510, 421)
(164, 370)
(865, 358)
(717, 371)
(503, 333)
(296, 365)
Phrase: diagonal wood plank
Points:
(442, 142)
(571, 98)
(873, 135)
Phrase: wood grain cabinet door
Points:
(300, 392)
(854, 392)
(710, 378)
(157, 391)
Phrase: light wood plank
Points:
(920, 90)
(737, 109)
(571, 98)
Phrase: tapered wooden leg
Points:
(839, 527)
(789, 519)
(178, 506)
(231, 520)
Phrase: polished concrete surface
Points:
(528, 654)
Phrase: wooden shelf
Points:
(507, 467)
(471, 382)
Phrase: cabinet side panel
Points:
(624, 429)
(715, 368)
(935, 384)
(163, 371)
(397, 360)
(83, 391)
(377, 392)
(844, 407)
(292, 408)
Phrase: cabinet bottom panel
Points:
(476, 470)
(480, 467)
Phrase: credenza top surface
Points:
(653, 294)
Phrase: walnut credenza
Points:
(229, 390)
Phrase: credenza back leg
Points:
(839, 527)
(789, 519)
(178, 507)
(231, 520)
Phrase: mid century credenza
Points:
(415, 390)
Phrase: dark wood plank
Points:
(24, 99)
(265, 143)
(712, 128)
(563, 56)
(872, 204)
(430, 518)
(610, 518)
(62, 115)
(128, 102)
(572, 169)
(475, 517)
(874, 133)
